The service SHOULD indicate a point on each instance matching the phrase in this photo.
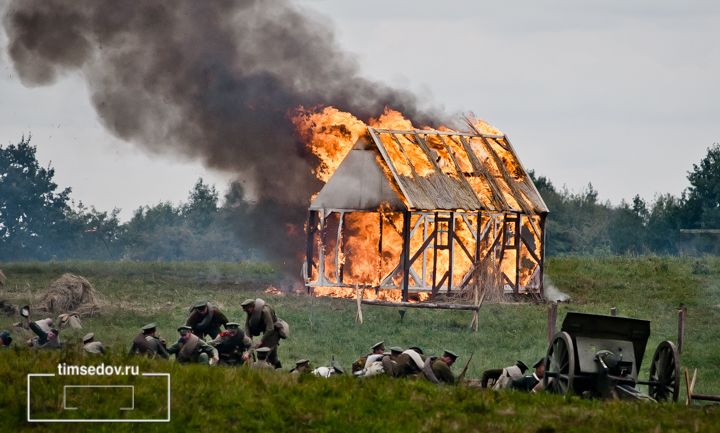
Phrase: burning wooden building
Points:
(416, 214)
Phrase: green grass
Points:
(136, 293)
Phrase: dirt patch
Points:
(70, 294)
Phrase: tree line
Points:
(39, 221)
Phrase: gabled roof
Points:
(431, 170)
(359, 183)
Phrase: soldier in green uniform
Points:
(261, 362)
(190, 348)
(90, 345)
(148, 343)
(232, 344)
(441, 367)
(395, 351)
(205, 320)
(408, 363)
(5, 339)
(261, 320)
(528, 383)
(302, 366)
(377, 349)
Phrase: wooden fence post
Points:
(552, 318)
(682, 312)
(613, 311)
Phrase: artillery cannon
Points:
(600, 356)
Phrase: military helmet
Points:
(521, 365)
(184, 328)
(229, 325)
(396, 349)
(300, 362)
(263, 350)
(378, 345)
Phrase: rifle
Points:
(464, 370)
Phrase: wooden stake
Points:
(358, 294)
(613, 311)
(682, 312)
(552, 319)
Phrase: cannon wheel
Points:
(665, 372)
(560, 362)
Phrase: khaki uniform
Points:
(208, 324)
(442, 371)
(193, 350)
(231, 348)
(405, 365)
(262, 322)
(262, 365)
(148, 345)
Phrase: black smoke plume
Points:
(214, 80)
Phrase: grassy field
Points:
(208, 399)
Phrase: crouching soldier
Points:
(261, 362)
(376, 349)
(205, 320)
(231, 344)
(302, 367)
(500, 378)
(148, 343)
(440, 368)
(90, 345)
(533, 382)
(261, 320)
(190, 348)
(408, 363)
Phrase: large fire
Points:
(330, 134)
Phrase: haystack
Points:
(70, 294)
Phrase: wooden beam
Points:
(406, 255)
(421, 305)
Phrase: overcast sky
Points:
(621, 94)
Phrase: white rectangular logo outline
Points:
(29, 419)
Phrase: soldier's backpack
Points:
(283, 328)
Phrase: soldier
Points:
(148, 343)
(395, 351)
(262, 355)
(301, 367)
(408, 363)
(261, 320)
(191, 348)
(232, 344)
(528, 383)
(500, 378)
(5, 339)
(441, 367)
(377, 349)
(90, 345)
(205, 320)
(47, 336)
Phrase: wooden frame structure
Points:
(454, 201)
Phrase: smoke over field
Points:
(217, 81)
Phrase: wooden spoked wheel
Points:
(665, 373)
(560, 365)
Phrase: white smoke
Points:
(554, 294)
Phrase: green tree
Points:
(702, 204)
(32, 211)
